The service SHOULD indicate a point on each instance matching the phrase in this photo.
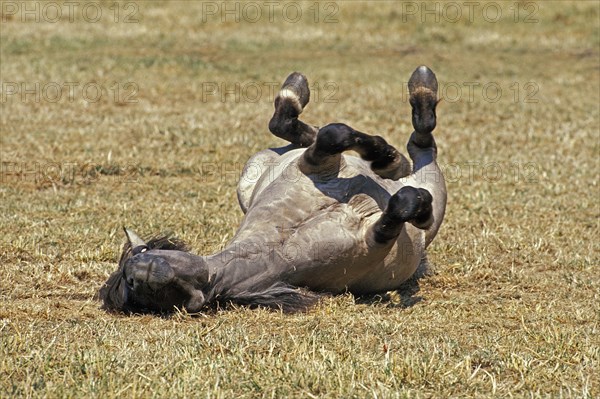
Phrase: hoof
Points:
(422, 77)
(422, 87)
(411, 204)
(295, 89)
(289, 104)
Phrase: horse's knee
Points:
(334, 138)
(408, 205)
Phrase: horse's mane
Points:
(279, 296)
(164, 241)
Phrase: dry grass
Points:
(513, 309)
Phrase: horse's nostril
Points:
(128, 278)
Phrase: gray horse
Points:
(316, 221)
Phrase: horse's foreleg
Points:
(324, 155)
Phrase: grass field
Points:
(143, 114)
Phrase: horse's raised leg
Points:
(324, 155)
(422, 200)
(421, 145)
(409, 204)
(289, 104)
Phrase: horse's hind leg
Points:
(289, 104)
(423, 100)
(421, 145)
(324, 155)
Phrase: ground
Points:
(143, 114)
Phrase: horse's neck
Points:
(239, 267)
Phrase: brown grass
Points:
(514, 307)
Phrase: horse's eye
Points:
(139, 249)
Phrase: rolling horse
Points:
(317, 220)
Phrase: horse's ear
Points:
(134, 239)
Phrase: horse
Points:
(317, 220)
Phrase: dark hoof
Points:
(298, 84)
(289, 104)
(422, 77)
(423, 99)
(411, 204)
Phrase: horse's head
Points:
(155, 276)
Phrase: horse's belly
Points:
(345, 263)
(398, 266)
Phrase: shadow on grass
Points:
(405, 296)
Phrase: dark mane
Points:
(113, 294)
(160, 241)
(279, 296)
